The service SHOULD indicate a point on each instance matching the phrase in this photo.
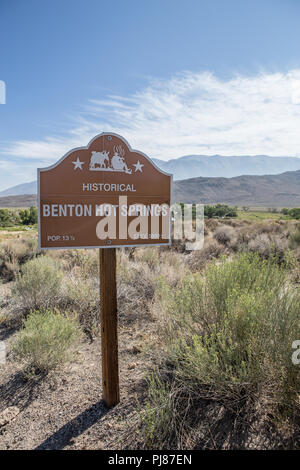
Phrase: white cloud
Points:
(192, 113)
(15, 172)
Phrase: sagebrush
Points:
(229, 335)
(47, 340)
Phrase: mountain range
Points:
(191, 166)
(267, 190)
(281, 190)
(25, 188)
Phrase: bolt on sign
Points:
(103, 195)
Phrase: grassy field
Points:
(18, 231)
(261, 215)
(19, 228)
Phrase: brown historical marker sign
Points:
(103, 195)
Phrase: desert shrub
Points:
(177, 246)
(39, 285)
(211, 224)
(250, 232)
(261, 244)
(86, 260)
(228, 340)
(224, 234)
(243, 237)
(232, 222)
(79, 291)
(47, 340)
(14, 253)
(80, 294)
(267, 227)
(136, 285)
(159, 424)
(198, 259)
(148, 255)
(294, 239)
(172, 267)
(9, 270)
(135, 292)
(266, 246)
(3, 303)
(263, 238)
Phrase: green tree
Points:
(295, 212)
(220, 210)
(29, 216)
(8, 218)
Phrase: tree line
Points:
(294, 212)
(220, 210)
(11, 217)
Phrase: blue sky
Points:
(174, 77)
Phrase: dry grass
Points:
(46, 341)
(228, 338)
(149, 281)
(14, 253)
(212, 249)
(224, 234)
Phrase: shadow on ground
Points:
(75, 427)
(243, 429)
(18, 391)
(6, 333)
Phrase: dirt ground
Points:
(65, 409)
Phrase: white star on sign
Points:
(78, 164)
(138, 166)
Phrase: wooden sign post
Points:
(105, 196)
(109, 327)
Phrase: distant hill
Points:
(267, 191)
(281, 190)
(24, 200)
(192, 166)
(25, 188)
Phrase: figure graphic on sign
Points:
(98, 158)
(118, 163)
